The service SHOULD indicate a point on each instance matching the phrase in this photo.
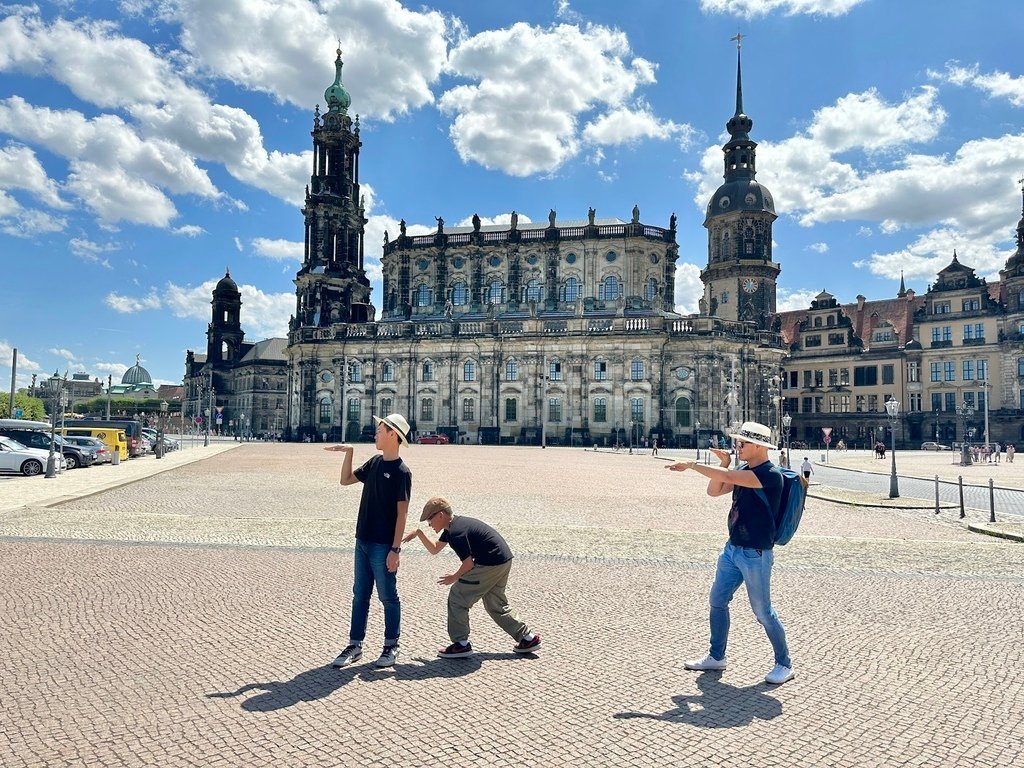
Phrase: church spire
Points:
(903, 288)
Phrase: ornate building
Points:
(558, 332)
(953, 358)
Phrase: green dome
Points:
(336, 96)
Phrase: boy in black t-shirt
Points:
(483, 574)
(383, 510)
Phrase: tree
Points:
(32, 408)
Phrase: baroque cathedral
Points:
(565, 332)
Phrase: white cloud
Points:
(1000, 85)
(21, 169)
(786, 301)
(7, 359)
(130, 305)
(689, 288)
(751, 8)
(278, 250)
(238, 244)
(501, 219)
(818, 247)
(115, 370)
(189, 230)
(626, 125)
(67, 354)
(89, 252)
(932, 251)
(522, 115)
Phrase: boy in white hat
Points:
(383, 509)
(747, 557)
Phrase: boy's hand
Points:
(341, 447)
(448, 580)
(409, 537)
(681, 466)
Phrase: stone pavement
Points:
(190, 619)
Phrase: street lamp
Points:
(892, 408)
(965, 411)
(787, 421)
(206, 423)
(160, 430)
(632, 427)
(696, 426)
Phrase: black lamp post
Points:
(696, 426)
(787, 421)
(892, 408)
(965, 411)
(160, 430)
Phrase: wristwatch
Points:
(396, 550)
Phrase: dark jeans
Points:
(371, 569)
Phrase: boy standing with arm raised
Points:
(383, 510)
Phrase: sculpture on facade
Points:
(551, 217)
(672, 222)
(590, 216)
(476, 222)
(386, 238)
(636, 214)
(401, 228)
(515, 220)
(440, 224)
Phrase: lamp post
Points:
(892, 408)
(696, 426)
(206, 423)
(787, 421)
(60, 400)
(159, 451)
(965, 411)
(632, 426)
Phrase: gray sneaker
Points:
(709, 662)
(388, 656)
(350, 655)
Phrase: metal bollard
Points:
(991, 502)
(936, 494)
(960, 481)
(115, 457)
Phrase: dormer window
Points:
(971, 305)
(940, 308)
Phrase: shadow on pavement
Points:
(718, 705)
(320, 682)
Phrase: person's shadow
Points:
(321, 682)
(718, 705)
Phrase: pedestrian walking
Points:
(748, 555)
(807, 469)
(654, 445)
(482, 575)
(1010, 450)
(997, 450)
(380, 525)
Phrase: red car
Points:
(432, 439)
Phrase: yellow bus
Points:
(115, 439)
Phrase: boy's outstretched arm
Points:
(433, 547)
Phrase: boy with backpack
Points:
(760, 491)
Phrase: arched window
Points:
(387, 371)
(533, 291)
(817, 322)
(385, 406)
(600, 409)
(428, 370)
(610, 289)
(1020, 366)
(636, 369)
(512, 371)
(511, 409)
(427, 409)
(326, 410)
(570, 289)
(469, 370)
(651, 290)
(355, 372)
(495, 292)
(682, 412)
(422, 296)
(460, 294)
(468, 409)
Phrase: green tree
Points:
(32, 408)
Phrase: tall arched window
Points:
(512, 370)
(682, 412)
(651, 289)
(428, 370)
(326, 410)
(355, 372)
(469, 370)
(427, 409)
(460, 294)
(533, 291)
(422, 296)
(387, 371)
(570, 289)
(610, 289)
(495, 292)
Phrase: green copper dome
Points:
(336, 96)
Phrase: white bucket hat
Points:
(752, 432)
(398, 423)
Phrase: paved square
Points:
(190, 619)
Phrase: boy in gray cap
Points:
(483, 574)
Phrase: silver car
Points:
(94, 444)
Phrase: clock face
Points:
(750, 285)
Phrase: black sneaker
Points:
(350, 655)
(388, 656)
(528, 646)
(456, 651)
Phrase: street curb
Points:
(905, 502)
(911, 477)
(998, 533)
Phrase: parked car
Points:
(16, 457)
(933, 446)
(115, 439)
(432, 438)
(103, 454)
(36, 434)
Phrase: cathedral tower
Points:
(332, 287)
(224, 334)
(739, 280)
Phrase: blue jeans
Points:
(371, 568)
(752, 567)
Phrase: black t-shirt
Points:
(751, 524)
(385, 484)
(469, 537)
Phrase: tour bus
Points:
(113, 437)
(131, 428)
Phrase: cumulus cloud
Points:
(1000, 85)
(278, 250)
(115, 370)
(818, 247)
(90, 252)
(26, 366)
(786, 301)
(189, 230)
(751, 8)
(21, 169)
(689, 288)
(521, 114)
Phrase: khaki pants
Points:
(486, 582)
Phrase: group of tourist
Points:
(485, 559)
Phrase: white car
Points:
(15, 457)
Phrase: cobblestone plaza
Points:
(190, 618)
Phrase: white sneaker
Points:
(779, 675)
(709, 662)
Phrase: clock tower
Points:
(739, 280)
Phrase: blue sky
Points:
(146, 145)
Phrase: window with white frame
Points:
(609, 289)
(469, 370)
(600, 370)
(651, 289)
(555, 409)
(496, 292)
(533, 291)
(512, 370)
(570, 289)
(355, 371)
(636, 369)
(600, 409)
(428, 370)
(385, 406)
(555, 370)
(460, 294)
(468, 409)
(422, 296)
(636, 410)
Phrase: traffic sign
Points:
(826, 431)
(828, 439)
(18, 413)
(198, 419)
